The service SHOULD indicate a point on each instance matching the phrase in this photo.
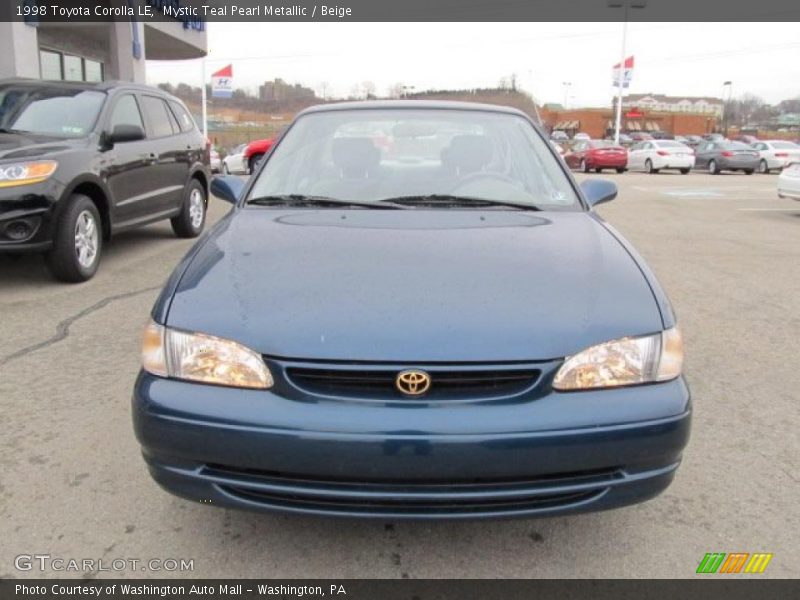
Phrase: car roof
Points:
(100, 86)
(412, 104)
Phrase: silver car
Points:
(716, 156)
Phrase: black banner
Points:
(195, 14)
(713, 588)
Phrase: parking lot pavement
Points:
(726, 249)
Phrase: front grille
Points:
(460, 496)
(446, 383)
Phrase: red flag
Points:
(226, 72)
(628, 63)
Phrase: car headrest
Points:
(355, 156)
(467, 153)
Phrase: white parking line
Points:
(768, 209)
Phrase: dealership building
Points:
(97, 51)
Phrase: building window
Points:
(73, 68)
(58, 66)
(50, 63)
(93, 70)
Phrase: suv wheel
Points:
(189, 223)
(77, 242)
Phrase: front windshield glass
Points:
(368, 155)
(60, 112)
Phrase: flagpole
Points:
(621, 77)
(204, 101)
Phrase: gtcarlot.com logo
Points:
(735, 562)
(46, 562)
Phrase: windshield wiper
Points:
(457, 201)
(303, 200)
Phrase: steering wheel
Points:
(480, 175)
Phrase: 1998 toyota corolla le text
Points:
(413, 311)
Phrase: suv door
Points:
(126, 165)
(172, 161)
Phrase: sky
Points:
(692, 59)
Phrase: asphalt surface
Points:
(727, 250)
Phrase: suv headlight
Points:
(202, 358)
(627, 361)
(25, 173)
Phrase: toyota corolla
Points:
(413, 310)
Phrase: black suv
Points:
(80, 162)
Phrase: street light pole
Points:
(726, 105)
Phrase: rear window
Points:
(185, 120)
(161, 120)
(670, 144)
(785, 146)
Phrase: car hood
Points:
(14, 146)
(413, 286)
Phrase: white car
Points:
(789, 181)
(234, 162)
(214, 161)
(582, 136)
(654, 155)
(776, 154)
(558, 148)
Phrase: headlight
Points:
(203, 358)
(25, 173)
(628, 361)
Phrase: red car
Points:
(255, 151)
(597, 155)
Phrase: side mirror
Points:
(227, 188)
(598, 191)
(125, 133)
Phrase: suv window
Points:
(126, 112)
(159, 116)
(184, 118)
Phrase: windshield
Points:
(61, 112)
(369, 155)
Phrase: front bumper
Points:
(29, 210)
(257, 450)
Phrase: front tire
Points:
(713, 167)
(190, 221)
(253, 163)
(763, 167)
(77, 242)
(585, 166)
(621, 170)
(685, 171)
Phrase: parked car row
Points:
(714, 154)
